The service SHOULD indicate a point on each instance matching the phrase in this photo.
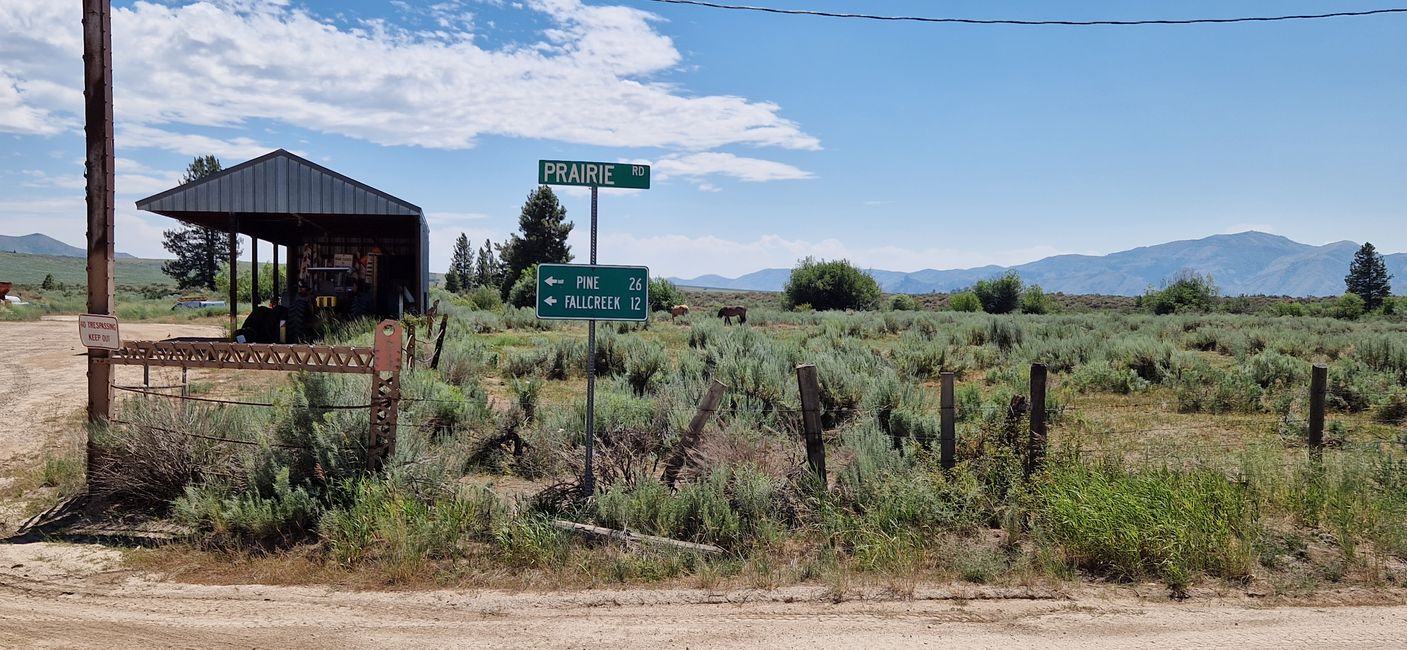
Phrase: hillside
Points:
(38, 244)
(1251, 263)
(26, 269)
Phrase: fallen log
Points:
(632, 538)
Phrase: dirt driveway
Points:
(44, 384)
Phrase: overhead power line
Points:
(1068, 23)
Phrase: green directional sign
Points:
(593, 174)
(593, 292)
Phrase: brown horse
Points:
(727, 314)
(677, 311)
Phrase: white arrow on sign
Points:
(550, 300)
(553, 281)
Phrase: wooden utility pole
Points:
(947, 439)
(810, 387)
(97, 117)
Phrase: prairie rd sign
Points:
(99, 332)
(593, 174)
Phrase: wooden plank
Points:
(633, 538)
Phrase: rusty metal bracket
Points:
(245, 356)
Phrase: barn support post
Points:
(277, 293)
(385, 393)
(254, 270)
(97, 118)
(234, 275)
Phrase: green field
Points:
(1177, 453)
(29, 270)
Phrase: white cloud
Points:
(713, 163)
(143, 185)
(18, 114)
(40, 178)
(588, 80)
(685, 256)
(146, 137)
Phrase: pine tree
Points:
(461, 265)
(199, 251)
(1368, 277)
(487, 266)
(542, 238)
(48, 282)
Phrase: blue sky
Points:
(898, 146)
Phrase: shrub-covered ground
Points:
(1177, 454)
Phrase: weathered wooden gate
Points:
(382, 361)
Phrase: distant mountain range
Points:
(1251, 263)
(37, 244)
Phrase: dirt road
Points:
(43, 385)
(75, 597)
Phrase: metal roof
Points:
(286, 199)
(277, 183)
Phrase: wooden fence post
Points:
(1035, 452)
(810, 388)
(947, 440)
(1318, 386)
(410, 344)
(708, 405)
(439, 343)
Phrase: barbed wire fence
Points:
(1070, 429)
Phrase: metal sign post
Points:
(588, 479)
(596, 304)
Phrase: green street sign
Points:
(587, 292)
(593, 174)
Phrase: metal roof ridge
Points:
(280, 152)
